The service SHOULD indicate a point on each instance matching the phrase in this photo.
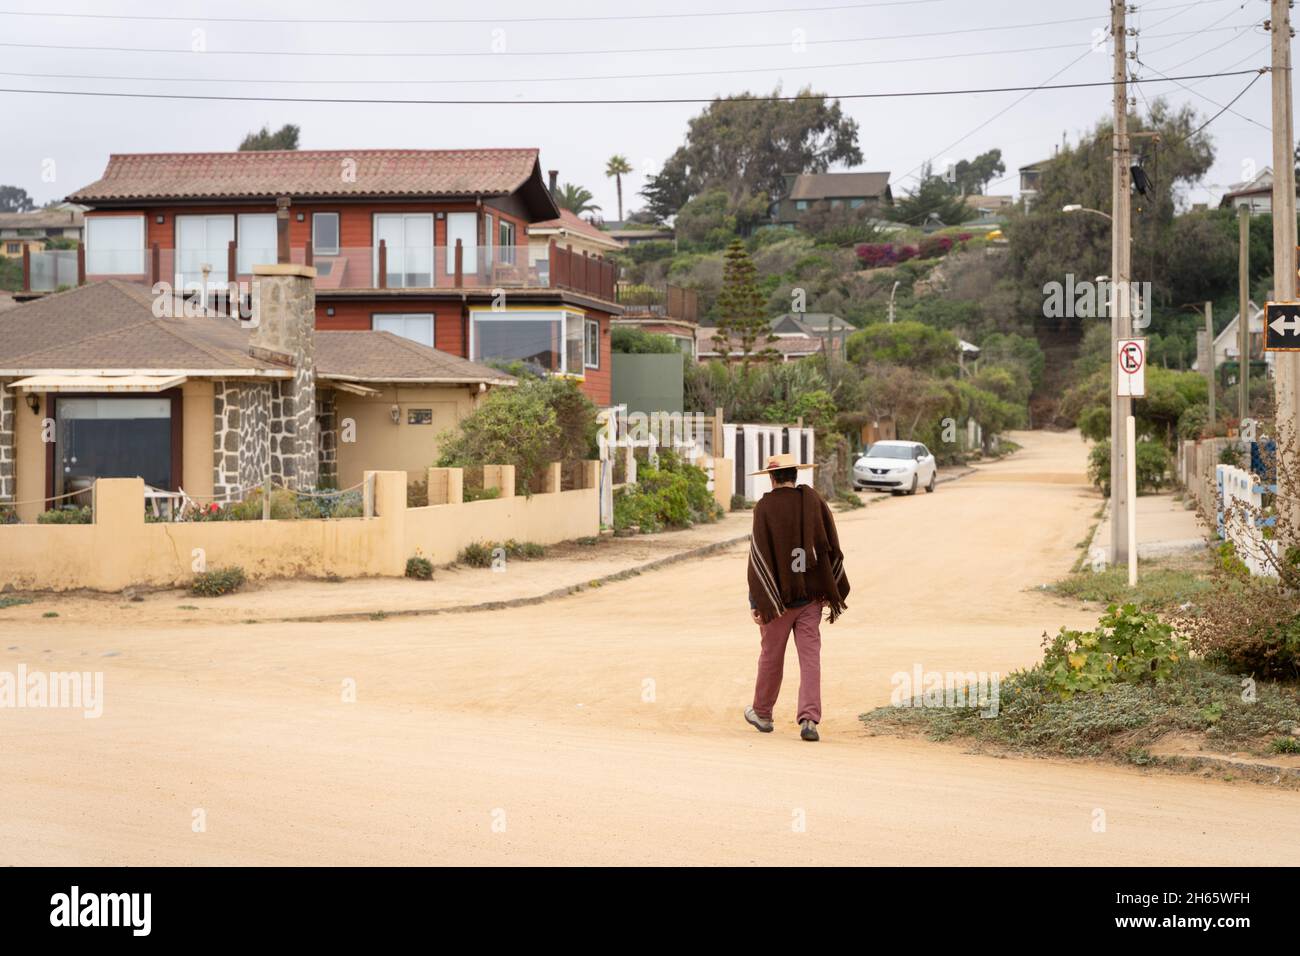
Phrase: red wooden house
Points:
(428, 244)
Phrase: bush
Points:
(934, 247)
(476, 555)
(1152, 466)
(218, 581)
(1246, 625)
(674, 495)
(1127, 645)
(631, 340)
(741, 503)
(65, 516)
(480, 494)
(529, 425)
(419, 567)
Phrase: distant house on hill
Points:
(1255, 194)
(805, 191)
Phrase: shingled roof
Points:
(110, 327)
(322, 174)
(814, 186)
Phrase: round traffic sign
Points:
(1130, 357)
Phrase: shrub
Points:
(1127, 645)
(1245, 625)
(876, 255)
(525, 550)
(8, 515)
(218, 581)
(476, 555)
(480, 494)
(849, 500)
(420, 568)
(65, 516)
(674, 495)
(934, 247)
(741, 503)
(634, 341)
(1152, 466)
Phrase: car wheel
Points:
(915, 479)
(934, 479)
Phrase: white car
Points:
(896, 466)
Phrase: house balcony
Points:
(369, 268)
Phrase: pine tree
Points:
(741, 312)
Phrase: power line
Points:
(716, 47)
(360, 21)
(383, 101)
(533, 79)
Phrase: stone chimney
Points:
(554, 175)
(283, 332)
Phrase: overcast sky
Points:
(69, 138)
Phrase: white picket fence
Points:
(1237, 487)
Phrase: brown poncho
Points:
(794, 553)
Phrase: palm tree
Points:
(576, 199)
(618, 167)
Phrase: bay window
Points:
(551, 339)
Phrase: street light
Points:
(1075, 207)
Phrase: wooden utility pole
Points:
(1209, 362)
(1120, 259)
(1243, 308)
(1286, 366)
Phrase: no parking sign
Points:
(1131, 358)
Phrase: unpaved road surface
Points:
(605, 727)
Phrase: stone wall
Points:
(283, 332)
(327, 425)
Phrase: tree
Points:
(576, 199)
(711, 219)
(910, 344)
(740, 307)
(618, 167)
(15, 199)
(286, 137)
(933, 199)
(973, 176)
(746, 144)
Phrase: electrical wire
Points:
(383, 101)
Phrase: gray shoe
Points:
(808, 730)
(763, 724)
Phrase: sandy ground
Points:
(605, 727)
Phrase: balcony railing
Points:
(382, 266)
(668, 301)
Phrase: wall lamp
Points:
(34, 403)
(396, 413)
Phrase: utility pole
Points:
(1120, 264)
(1243, 308)
(1209, 363)
(1286, 366)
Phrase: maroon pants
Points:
(806, 623)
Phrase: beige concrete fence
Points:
(120, 549)
(1196, 463)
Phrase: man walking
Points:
(796, 569)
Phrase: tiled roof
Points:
(312, 173)
(110, 326)
(785, 345)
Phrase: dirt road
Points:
(605, 727)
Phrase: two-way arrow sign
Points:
(1282, 327)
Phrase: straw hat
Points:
(779, 462)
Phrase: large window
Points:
(416, 327)
(112, 437)
(462, 226)
(115, 245)
(408, 238)
(325, 233)
(551, 339)
(203, 243)
(257, 244)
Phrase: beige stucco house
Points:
(113, 380)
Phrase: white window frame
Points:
(406, 317)
(91, 264)
(506, 230)
(563, 316)
(589, 361)
(316, 248)
(219, 259)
